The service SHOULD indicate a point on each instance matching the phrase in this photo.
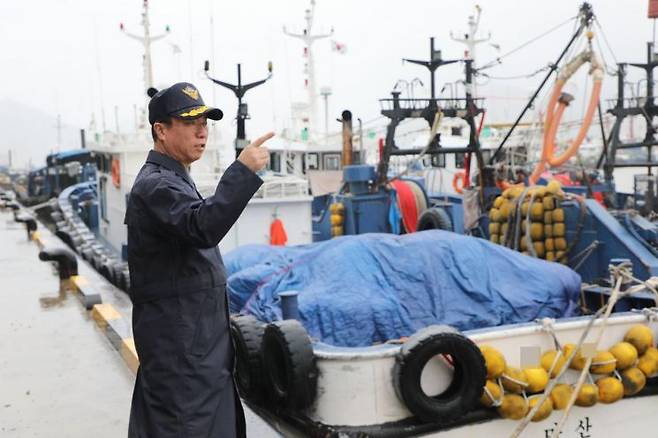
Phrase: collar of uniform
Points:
(161, 159)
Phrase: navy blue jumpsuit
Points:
(184, 386)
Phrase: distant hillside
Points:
(31, 134)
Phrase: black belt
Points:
(176, 287)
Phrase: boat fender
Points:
(247, 333)
(289, 363)
(469, 375)
(435, 218)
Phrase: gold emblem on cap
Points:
(192, 92)
(195, 112)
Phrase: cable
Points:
(525, 76)
(605, 39)
(498, 59)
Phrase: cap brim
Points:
(196, 112)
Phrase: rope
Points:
(605, 39)
(525, 76)
(498, 59)
(607, 308)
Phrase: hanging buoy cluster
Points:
(622, 372)
(337, 218)
(530, 220)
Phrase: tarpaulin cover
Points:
(360, 290)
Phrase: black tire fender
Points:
(435, 218)
(247, 333)
(469, 376)
(290, 371)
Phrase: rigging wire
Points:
(497, 61)
(605, 40)
(524, 76)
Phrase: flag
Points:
(338, 47)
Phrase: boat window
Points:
(312, 161)
(456, 130)
(459, 161)
(102, 184)
(438, 160)
(332, 162)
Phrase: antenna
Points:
(470, 39)
(239, 90)
(146, 40)
(309, 68)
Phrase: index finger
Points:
(260, 140)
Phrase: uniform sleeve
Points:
(202, 223)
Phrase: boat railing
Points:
(420, 104)
(628, 102)
(283, 187)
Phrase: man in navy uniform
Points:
(184, 386)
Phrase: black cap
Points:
(181, 100)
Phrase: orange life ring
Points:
(116, 173)
(459, 181)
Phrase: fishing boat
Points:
(380, 358)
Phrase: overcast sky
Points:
(69, 57)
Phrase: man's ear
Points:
(159, 131)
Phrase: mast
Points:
(470, 40)
(146, 41)
(308, 39)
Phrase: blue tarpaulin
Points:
(360, 290)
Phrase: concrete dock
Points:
(60, 375)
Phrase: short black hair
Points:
(153, 133)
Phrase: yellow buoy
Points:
(640, 336)
(553, 187)
(523, 243)
(503, 230)
(610, 389)
(507, 193)
(625, 354)
(494, 361)
(560, 395)
(550, 360)
(537, 379)
(539, 249)
(513, 407)
(578, 362)
(494, 215)
(505, 210)
(337, 231)
(633, 380)
(494, 238)
(537, 211)
(550, 256)
(652, 351)
(336, 219)
(548, 217)
(560, 243)
(544, 411)
(494, 228)
(548, 231)
(514, 380)
(549, 243)
(524, 208)
(498, 202)
(336, 208)
(558, 229)
(558, 215)
(549, 203)
(648, 364)
(491, 394)
(537, 231)
(603, 363)
(588, 395)
(560, 257)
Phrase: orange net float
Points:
(556, 107)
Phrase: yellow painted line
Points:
(79, 282)
(129, 354)
(102, 313)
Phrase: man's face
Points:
(184, 140)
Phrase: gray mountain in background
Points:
(31, 134)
